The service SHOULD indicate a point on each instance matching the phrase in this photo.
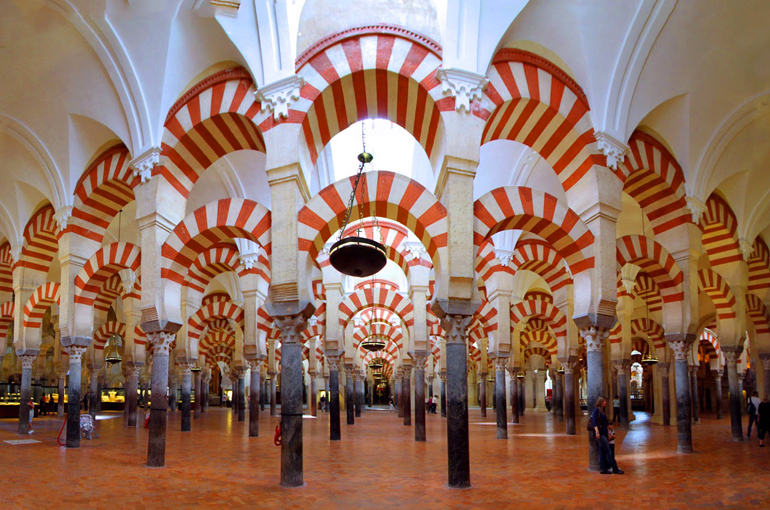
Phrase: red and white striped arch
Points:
(107, 331)
(487, 262)
(214, 118)
(760, 317)
(759, 269)
(720, 232)
(655, 261)
(544, 338)
(718, 290)
(652, 176)
(649, 327)
(537, 104)
(221, 351)
(41, 241)
(385, 329)
(538, 257)
(534, 211)
(381, 297)
(216, 339)
(649, 292)
(105, 188)
(215, 297)
(374, 73)
(537, 351)
(539, 295)
(542, 310)
(6, 268)
(42, 298)
(221, 259)
(6, 318)
(101, 266)
(388, 195)
(210, 312)
(709, 337)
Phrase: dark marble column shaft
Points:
(132, 393)
(514, 395)
(624, 367)
(358, 386)
(419, 395)
(558, 396)
(483, 394)
(254, 394)
(74, 396)
(92, 395)
(350, 411)
(718, 393)
(333, 399)
(683, 405)
(313, 396)
(736, 395)
(569, 396)
(458, 449)
(500, 408)
(399, 396)
(198, 384)
(156, 445)
(665, 394)
(292, 386)
(62, 383)
(594, 338)
(522, 394)
(443, 395)
(695, 400)
(27, 361)
(406, 391)
(242, 396)
(186, 391)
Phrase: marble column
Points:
(313, 395)
(406, 394)
(27, 361)
(557, 403)
(569, 395)
(594, 338)
(92, 392)
(442, 377)
(399, 396)
(736, 396)
(273, 394)
(624, 374)
(458, 447)
(500, 407)
(333, 398)
(172, 392)
(695, 400)
(483, 394)
(683, 399)
(718, 392)
(350, 412)
(419, 359)
(540, 392)
(358, 386)
(132, 393)
(242, 395)
(186, 371)
(520, 378)
(514, 372)
(60, 404)
(765, 359)
(99, 386)
(664, 393)
(430, 387)
(292, 386)
(198, 395)
(254, 386)
(73, 396)
(205, 391)
(156, 448)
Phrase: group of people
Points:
(605, 435)
(759, 415)
(431, 405)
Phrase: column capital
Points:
(464, 86)
(594, 337)
(135, 371)
(278, 96)
(419, 358)
(143, 164)
(350, 371)
(622, 364)
(442, 377)
(255, 364)
(732, 355)
(613, 149)
(663, 369)
(407, 372)
(570, 366)
(501, 363)
(291, 327)
(513, 370)
(161, 341)
(680, 345)
(27, 360)
(456, 327)
(186, 368)
(334, 363)
(765, 359)
(75, 352)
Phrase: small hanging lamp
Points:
(357, 255)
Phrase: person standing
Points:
(390, 402)
(607, 463)
(763, 422)
(616, 409)
(752, 408)
(31, 405)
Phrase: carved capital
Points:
(613, 149)
(128, 278)
(456, 327)
(416, 249)
(254, 365)
(504, 256)
(62, 217)
(570, 366)
(334, 362)
(135, 371)
(75, 352)
(746, 249)
(594, 337)
(27, 360)
(143, 164)
(278, 96)
(249, 260)
(513, 371)
(161, 341)
(419, 359)
(696, 208)
(731, 357)
(442, 377)
(291, 327)
(680, 348)
(16, 250)
(501, 364)
(765, 362)
(464, 86)
(622, 365)
(407, 372)
(663, 369)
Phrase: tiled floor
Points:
(378, 465)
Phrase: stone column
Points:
(292, 470)
(92, 391)
(540, 392)
(254, 394)
(483, 394)
(196, 377)
(406, 395)
(75, 353)
(442, 377)
(624, 374)
(99, 386)
(664, 393)
(333, 398)
(569, 395)
(132, 392)
(27, 361)
(594, 338)
(273, 394)
(458, 448)
(419, 359)
(205, 392)
(765, 359)
(718, 392)
(557, 403)
(62, 382)
(736, 397)
(430, 387)
(263, 396)
(349, 395)
(186, 371)
(242, 396)
(500, 407)
(514, 372)
(695, 400)
(358, 378)
(683, 399)
(399, 396)
(172, 391)
(522, 397)
(313, 397)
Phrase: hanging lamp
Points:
(112, 354)
(650, 358)
(358, 255)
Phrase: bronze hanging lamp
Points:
(358, 255)
(111, 353)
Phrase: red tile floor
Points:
(378, 465)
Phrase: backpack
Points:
(751, 408)
(590, 426)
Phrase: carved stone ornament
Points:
(504, 256)
(419, 360)
(128, 278)
(613, 149)
(442, 377)
(731, 357)
(278, 96)
(249, 260)
(75, 352)
(290, 327)
(27, 360)
(663, 371)
(500, 364)
(16, 250)
(456, 327)
(622, 365)
(765, 362)
(333, 362)
(145, 162)
(312, 321)
(680, 348)
(161, 341)
(594, 337)
(407, 372)
(464, 86)
(696, 208)
(350, 372)
(513, 371)
(746, 249)
(62, 217)
(136, 371)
